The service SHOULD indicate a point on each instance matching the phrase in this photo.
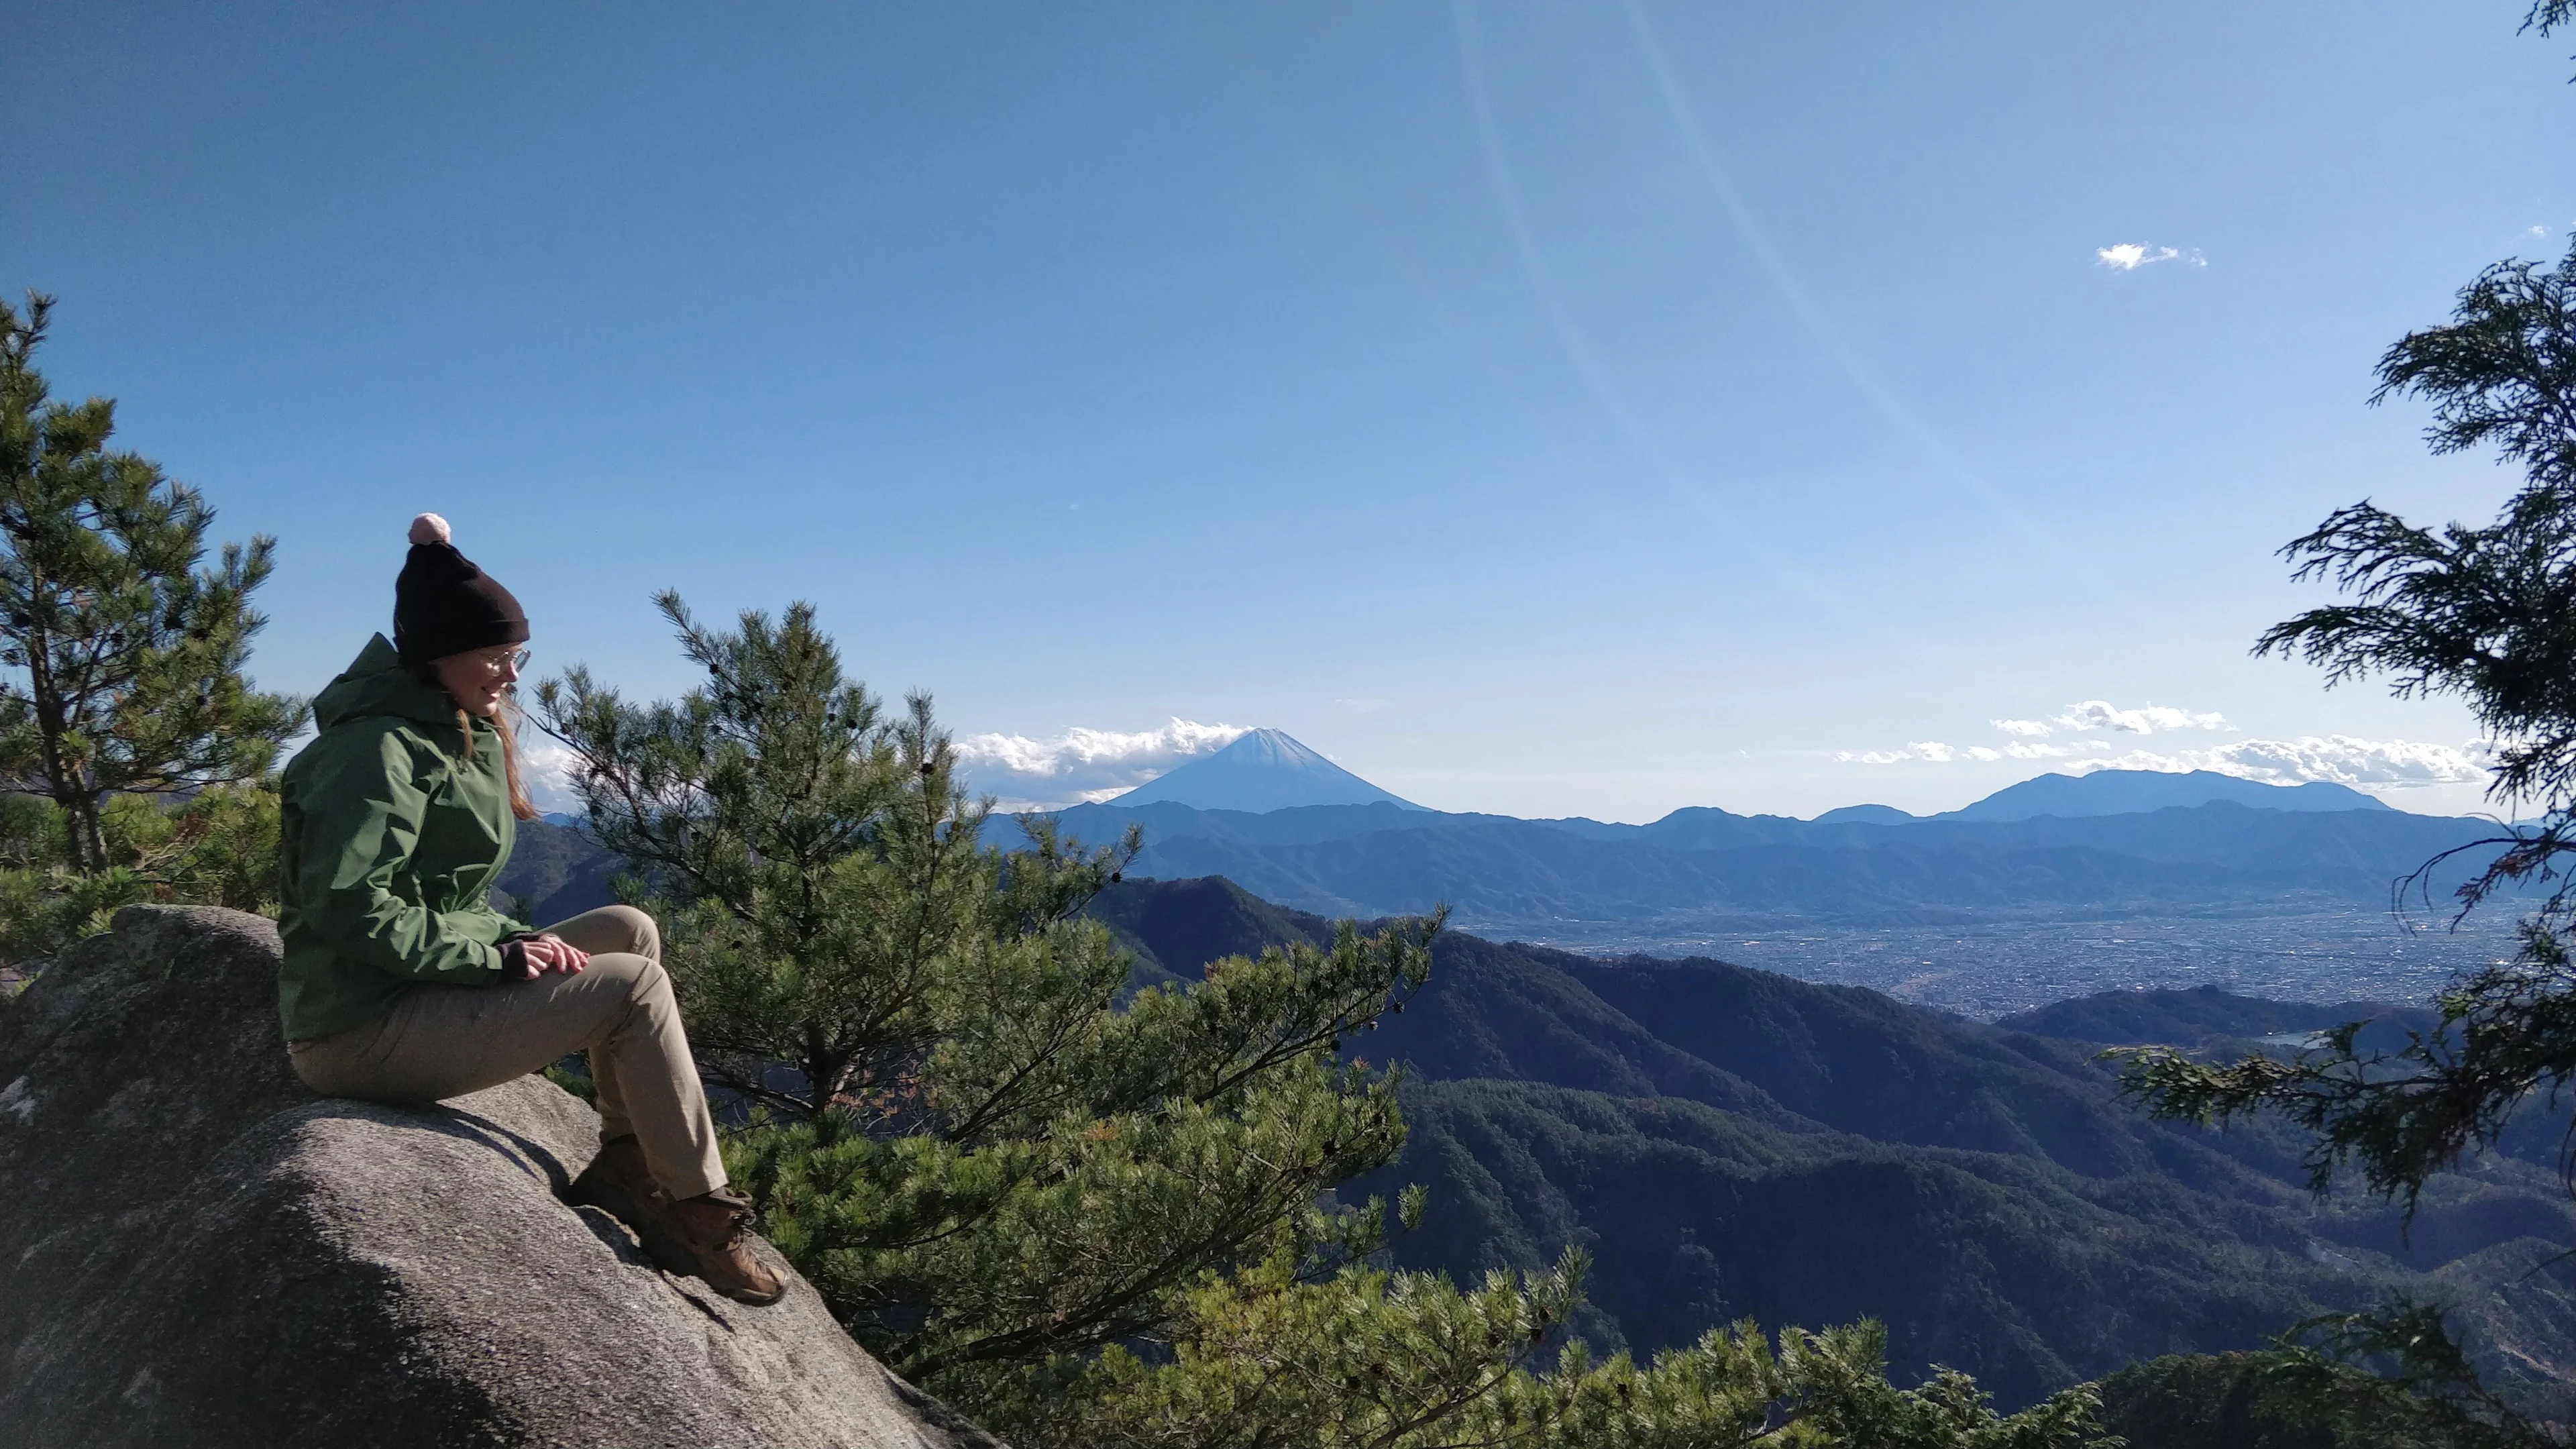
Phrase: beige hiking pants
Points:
(446, 1041)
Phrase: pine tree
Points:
(977, 1152)
(1371, 1359)
(2485, 613)
(123, 656)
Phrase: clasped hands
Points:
(528, 957)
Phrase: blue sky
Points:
(1548, 409)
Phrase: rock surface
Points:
(196, 1250)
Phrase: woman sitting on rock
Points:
(402, 984)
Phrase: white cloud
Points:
(1083, 765)
(2342, 759)
(1076, 767)
(2087, 716)
(2025, 750)
(1931, 750)
(545, 767)
(1934, 752)
(2129, 256)
(2097, 714)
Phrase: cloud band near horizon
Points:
(1083, 766)
(2336, 759)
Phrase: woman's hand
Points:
(529, 957)
(554, 953)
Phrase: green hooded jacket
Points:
(389, 839)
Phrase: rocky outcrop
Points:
(195, 1250)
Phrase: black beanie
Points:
(444, 605)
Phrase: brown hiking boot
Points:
(616, 1182)
(715, 1229)
(702, 1236)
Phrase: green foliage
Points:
(2201, 1401)
(2508, 1032)
(1411, 1361)
(2484, 613)
(2480, 612)
(217, 847)
(123, 657)
(573, 1075)
(817, 871)
(947, 1255)
(1364, 1357)
(2394, 1379)
(2547, 15)
(2488, 614)
(2390, 1379)
(220, 850)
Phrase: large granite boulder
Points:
(194, 1250)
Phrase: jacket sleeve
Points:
(362, 809)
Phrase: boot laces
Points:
(738, 1213)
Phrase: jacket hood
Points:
(375, 683)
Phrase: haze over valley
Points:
(2058, 886)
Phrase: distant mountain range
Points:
(1701, 870)
(1729, 1142)
(1269, 769)
(2113, 841)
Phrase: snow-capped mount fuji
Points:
(1263, 771)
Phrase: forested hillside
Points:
(2208, 1019)
(1730, 1142)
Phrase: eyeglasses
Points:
(513, 659)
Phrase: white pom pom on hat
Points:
(429, 528)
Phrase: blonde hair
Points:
(520, 804)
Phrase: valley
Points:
(1729, 1142)
(1983, 969)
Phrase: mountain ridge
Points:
(1701, 870)
(1516, 875)
(2132, 792)
(1267, 769)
